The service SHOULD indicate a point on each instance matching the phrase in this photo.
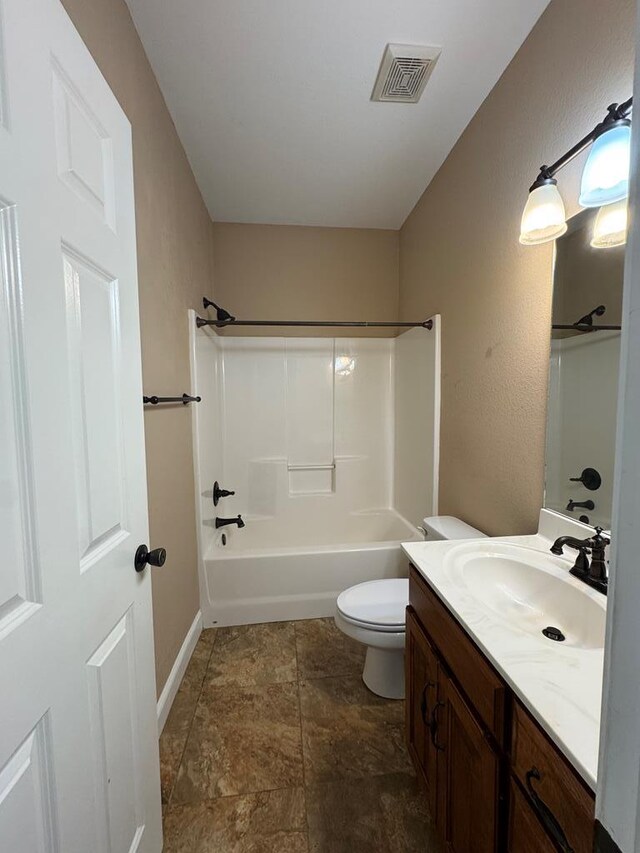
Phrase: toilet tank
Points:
(439, 527)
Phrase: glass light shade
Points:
(610, 228)
(543, 218)
(605, 178)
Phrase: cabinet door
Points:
(467, 776)
(526, 835)
(421, 680)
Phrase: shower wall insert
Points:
(330, 445)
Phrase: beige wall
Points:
(459, 255)
(294, 273)
(175, 268)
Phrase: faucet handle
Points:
(599, 539)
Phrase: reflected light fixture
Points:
(605, 179)
(610, 228)
(344, 365)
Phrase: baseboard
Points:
(177, 671)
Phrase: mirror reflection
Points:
(583, 376)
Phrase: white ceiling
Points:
(271, 99)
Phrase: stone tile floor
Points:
(274, 745)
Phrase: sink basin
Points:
(531, 590)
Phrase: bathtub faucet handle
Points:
(220, 493)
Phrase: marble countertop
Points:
(560, 686)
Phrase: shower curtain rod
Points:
(224, 318)
(584, 327)
(425, 324)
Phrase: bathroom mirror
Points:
(583, 374)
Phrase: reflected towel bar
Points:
(185, 399)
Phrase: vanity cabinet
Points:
(493, 779)
(457, 763)
(421, 678)
(467, 775)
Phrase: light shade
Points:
(610, 228)
(605, 178)
(543, 218)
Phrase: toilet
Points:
(373, 613)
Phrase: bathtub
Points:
(271, 572)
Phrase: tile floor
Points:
(274, 745)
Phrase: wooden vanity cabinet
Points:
(494, 780)
(421, 678)
(451, 752)
(467, 776)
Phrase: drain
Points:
(553, 634)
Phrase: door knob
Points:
(220, 493)
(143, 556)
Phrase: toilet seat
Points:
(376, 605)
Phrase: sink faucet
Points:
(594, 574)
(222, 522)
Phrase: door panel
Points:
(421, 680)
(20, 590)
(79, 766)
(26, 807)
(83, 148)
(92, 328)
(526, 835)
(112, 697)
(468, 774)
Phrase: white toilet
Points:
(374, 614)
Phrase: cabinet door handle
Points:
(423, 702)
(433, 726)
(547, 817)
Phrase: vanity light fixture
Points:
(605, 177)
(610, 228)
(605, 180)
(543, 217)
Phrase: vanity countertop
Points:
(561, 686)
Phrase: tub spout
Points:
(222, 522)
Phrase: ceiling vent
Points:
(404, 71)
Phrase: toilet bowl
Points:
(374, 613)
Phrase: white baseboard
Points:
(177, 671)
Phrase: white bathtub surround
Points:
(303, 430)
(417, 422)
(560, 684)
(582, 429)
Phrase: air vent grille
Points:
(404, 72)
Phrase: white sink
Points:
(530, 590)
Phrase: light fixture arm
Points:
(616, 114)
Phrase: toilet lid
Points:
(376, 602)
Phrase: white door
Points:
(78, 731)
